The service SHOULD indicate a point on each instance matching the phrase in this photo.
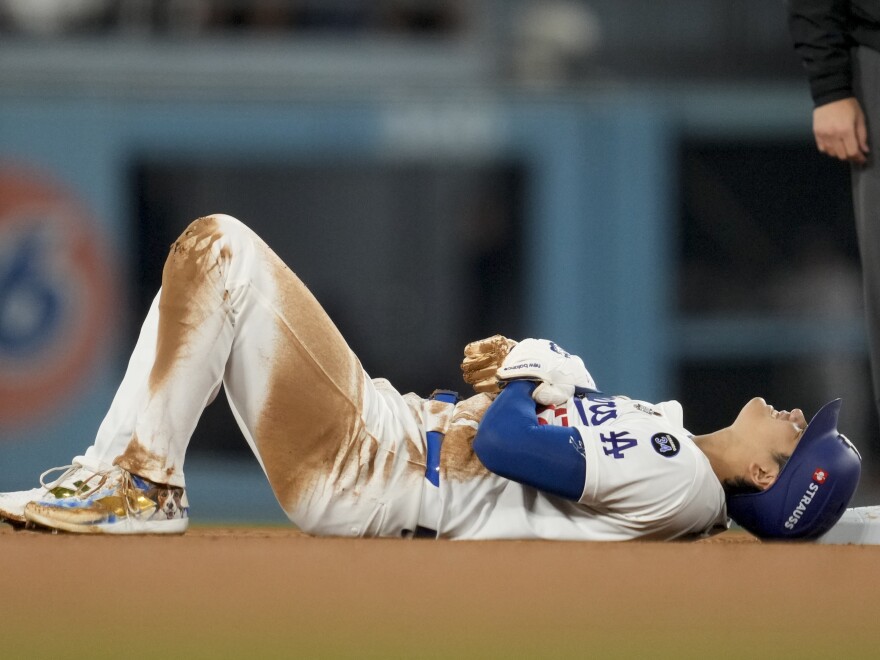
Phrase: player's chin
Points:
(756, 407)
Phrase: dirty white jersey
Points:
(645, 479)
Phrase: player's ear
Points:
(762, 478)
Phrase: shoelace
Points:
(130, 500)
(132, 495)
(69, 470)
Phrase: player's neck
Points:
(720, 448)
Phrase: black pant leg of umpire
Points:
(866, 200)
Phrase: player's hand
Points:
(559, 372)
(840, 130)
(481, 361)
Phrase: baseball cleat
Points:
(118, 503)
(72, 481)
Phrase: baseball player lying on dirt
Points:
(538, 452)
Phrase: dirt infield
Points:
(275, 592)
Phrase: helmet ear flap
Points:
(813, 489)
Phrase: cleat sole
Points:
(41, 515)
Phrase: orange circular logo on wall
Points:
(57, 292)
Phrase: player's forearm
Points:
(511, 443)
(819, 32)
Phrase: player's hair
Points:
(742, 486)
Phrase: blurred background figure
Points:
(839, 45)
(54, 17)
(553, 41)
(636, 180)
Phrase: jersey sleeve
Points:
(511, 443)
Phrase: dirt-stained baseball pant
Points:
(344, 454)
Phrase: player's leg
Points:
(175, 369)
(866, 201)
(230, 308)
(861, 525)
(342, 452)
(113, 435)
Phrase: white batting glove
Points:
(558, 371)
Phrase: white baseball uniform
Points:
(645, 478)
(346, 454)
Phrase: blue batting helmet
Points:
(811, 492)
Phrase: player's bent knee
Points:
(226, 223)
(208, 229)
(210, 226)
(217, 234)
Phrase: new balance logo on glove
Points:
(558, 371)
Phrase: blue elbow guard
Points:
(511, 443)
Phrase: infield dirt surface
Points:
(275, 592)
